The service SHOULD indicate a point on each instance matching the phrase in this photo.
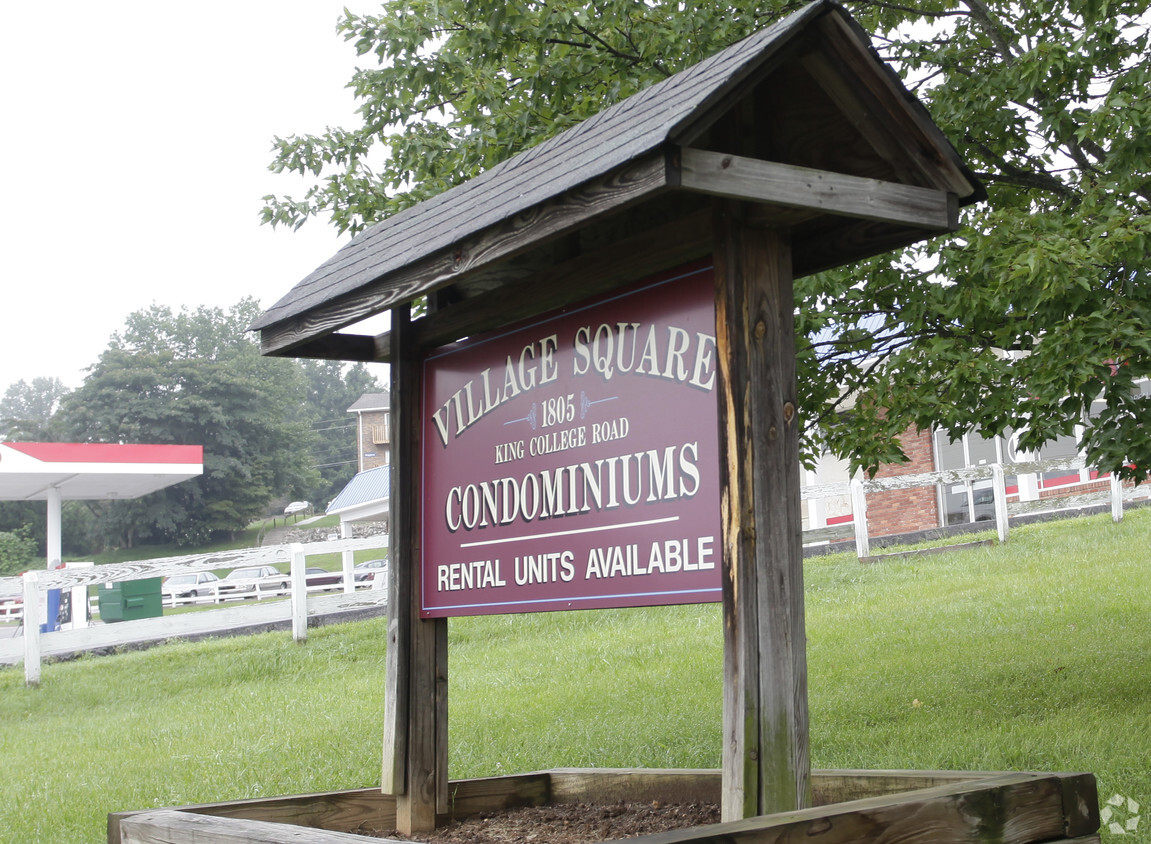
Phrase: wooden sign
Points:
(572, 462)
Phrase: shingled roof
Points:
(419, 250)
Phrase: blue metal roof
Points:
(372, 485)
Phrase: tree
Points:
(1033, 312)
(195, 377)
(332, 388)
(27, 409)
(17, 552)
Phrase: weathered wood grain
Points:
(401, 569)
(361, 808)
(765, 747)
(612, 785)
(1010, 809)
(415, 764)
(753, 180)
(167, 827)
(1080, 804)
(495, 794)
(832, 785)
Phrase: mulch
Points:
(573, 823)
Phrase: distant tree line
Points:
(272, 429)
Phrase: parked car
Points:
(189, 585)
(9, 607)
(264, 578)
(316, 576)
(296, 507)
(368, 569)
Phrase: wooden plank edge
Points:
(352, 808)
(175, 827)
(611, 785)
(348, 807)
(789, 186)
(1080, 804)
(924, 552)
(1009, 808)
(494, 794)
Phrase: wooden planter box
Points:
(851, 806)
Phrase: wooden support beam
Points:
(766, 767)
(400, 571)
(753, 180)
(358, 347)
(415, 767)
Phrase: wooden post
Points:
(859, 519)
(999, 482)
(766, 766)
(31, 624)
(1116, 499)
(348, 558)
(415, 759)
(299, 594)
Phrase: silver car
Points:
(190, 585)
(255, 578)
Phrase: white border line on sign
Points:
(568, 532)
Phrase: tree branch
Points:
(982, 15)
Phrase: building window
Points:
(968, 501)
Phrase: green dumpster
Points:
(131, 599)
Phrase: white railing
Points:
(219, 593)
(34, 583)
(858, 490)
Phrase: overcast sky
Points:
(135, 143)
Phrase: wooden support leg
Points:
(415, 759)
(766, 766)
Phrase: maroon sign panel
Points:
(573, 463)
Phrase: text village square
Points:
(573, 463)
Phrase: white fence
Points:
(216, 593)
(995, 473)
(34, 644)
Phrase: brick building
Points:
(373, 430)
(906, 510)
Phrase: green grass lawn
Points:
(1035, 655)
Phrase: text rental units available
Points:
(573, 463)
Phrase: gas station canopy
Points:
(93, 471)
